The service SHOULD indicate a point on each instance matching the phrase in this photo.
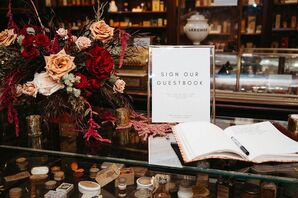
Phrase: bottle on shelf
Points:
(125, 6)
(113, 7)
(121, 187)
(160, 191)
(224, 188)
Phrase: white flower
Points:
(62, 33)
(76, 92)
(65, 77)
(45, 84)
(69, 89)
(30, 30)
(71, 77)
(68, 83)
(20, 39)
(119, 86)
(78, 79)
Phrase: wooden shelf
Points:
(141, 27)
(216, 6)
(285, 30)
(16, 10)
(71, 6)
(252, 5)
(250, 34)
(286, 4)
(130, 12)
(219, 34)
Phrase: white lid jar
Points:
(185, 190)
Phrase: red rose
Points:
(83, 81)
(94, 83)
(99, 63)
(42, 40)
(30, 52)
(28, 41)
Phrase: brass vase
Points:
(34, 131)
(34, 125)
(123, 127)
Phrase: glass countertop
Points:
(137, 154)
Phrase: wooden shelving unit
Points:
(136, 13)
(259, 17)
(284, 25)
(152, 22)
(142, 27)
(158, 24)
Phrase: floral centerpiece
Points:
(63, 73)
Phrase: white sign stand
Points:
(179, 83)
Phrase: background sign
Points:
(180, 84)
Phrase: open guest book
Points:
(260, 142)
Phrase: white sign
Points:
(180, 84)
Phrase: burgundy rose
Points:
(28, 41)
(42, 40)
(99, 63)
(83, 81)
(94, 83)
(30, 52)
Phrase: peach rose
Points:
(101, 31)
(45, 84)
(119, 86)
(57, 65)
(19, 91)
(74, 38)
(83, 42)
(30, 89)
(7, 37)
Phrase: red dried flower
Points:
(100, 63)
(30, 52)
(28, 41)
(107, 116)
(87, 94)
(94, 83)
(42, 40)
(83, 82)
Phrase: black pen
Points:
(240, 146)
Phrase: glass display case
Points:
(259, 75)
(206, 178)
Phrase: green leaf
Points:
(87, 112)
